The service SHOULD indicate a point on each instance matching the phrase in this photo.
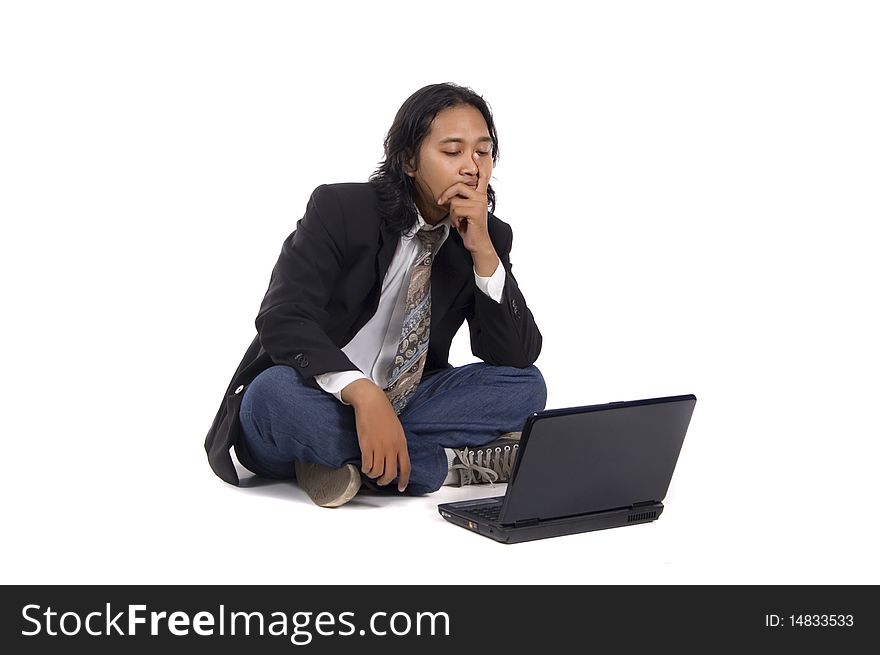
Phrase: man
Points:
(348, 381)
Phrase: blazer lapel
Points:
(451, 271)
(387, 246)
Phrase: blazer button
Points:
(239, 389)
(301, 359)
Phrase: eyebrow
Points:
(456, 139)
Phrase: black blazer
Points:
(325, 287)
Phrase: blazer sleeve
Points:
(505, 333)
(292, 316)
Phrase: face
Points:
(446, 156)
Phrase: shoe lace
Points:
(485, 465)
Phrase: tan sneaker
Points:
(328, 487)
(486, 464)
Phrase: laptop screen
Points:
(600, 457)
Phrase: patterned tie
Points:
(409, 361)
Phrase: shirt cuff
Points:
(492, 286)
(335, 382)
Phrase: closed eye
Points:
(453, 154)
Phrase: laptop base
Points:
(462, 514)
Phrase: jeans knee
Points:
(413, 489)
(269, 387)
(537, 387)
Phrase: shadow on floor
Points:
(289, 490)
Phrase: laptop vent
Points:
(644, 516)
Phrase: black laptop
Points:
(584, 468)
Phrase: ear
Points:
(409, 166)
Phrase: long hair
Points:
(397, 190)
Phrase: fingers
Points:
(460, 189)
(463, 209)
(390, 467)
(457, 189)
(403, 480)
(386, 469)
(376, 468)
(484, 164)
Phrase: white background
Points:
(693, 189)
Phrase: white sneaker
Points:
(484, 464)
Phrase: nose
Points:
(470, 168)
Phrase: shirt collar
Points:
(422, 223)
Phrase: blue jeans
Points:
(283, 419)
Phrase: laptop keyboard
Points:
(488, 512)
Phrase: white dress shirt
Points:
(373, 348)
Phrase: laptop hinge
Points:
(525, 523)
(646, 503)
